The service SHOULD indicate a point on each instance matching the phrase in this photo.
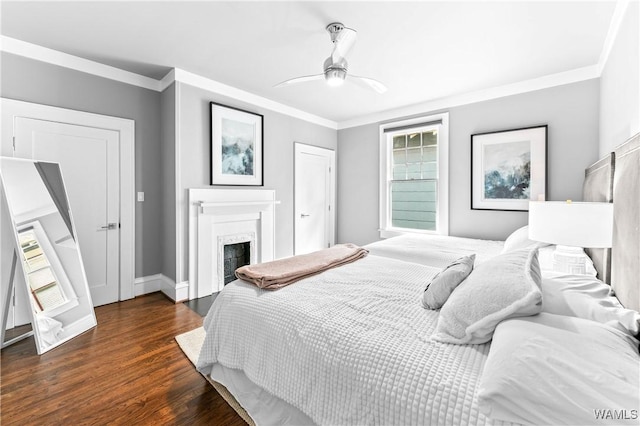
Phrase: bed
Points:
(355, 345)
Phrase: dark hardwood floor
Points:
(201, 305)
(128, 370)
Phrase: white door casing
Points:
(314, 198)
(88, 159)
(12, 113)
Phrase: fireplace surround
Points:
(219, 217)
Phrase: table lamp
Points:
(571, 226)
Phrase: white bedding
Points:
(349, 346)
(434, 250)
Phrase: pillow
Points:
(519, 239)
(439, 289)
(551, 369)
(545, 258)
(505, 286)
(587, 297)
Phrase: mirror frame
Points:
(85, 322)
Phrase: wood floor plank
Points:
(127, 370)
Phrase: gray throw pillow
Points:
(505, 286)
(442, 285)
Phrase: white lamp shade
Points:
(571, 224)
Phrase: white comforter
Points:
(349, 346)
(434, 250)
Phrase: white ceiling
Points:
(422, 51)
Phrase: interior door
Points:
(314, 198)
(89, 161)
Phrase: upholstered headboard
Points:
(625, 253)
(598, 187)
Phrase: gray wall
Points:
(280, 132)
(620, 85)
(168, 168)
(358, 184)
(570, 111)
(38, 82)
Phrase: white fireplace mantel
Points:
(220, 216)
(223, 207)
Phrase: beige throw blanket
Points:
(280, 273)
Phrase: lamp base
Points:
(569, 260)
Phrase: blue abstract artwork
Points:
(238, 146)
(507, 170)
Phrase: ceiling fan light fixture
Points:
(335, 66)
(335, 76)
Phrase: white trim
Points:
(612, 34)
(443, 176)
(159, 282)
(168, 80)
(127, 209)
(559, 79)
(148, 284)
(126, 128)
(44, 54)
(33, 51)
(55, 57)
(241, 95)
(178, 292)
(182, 291)
(215, 212)
(442, 217)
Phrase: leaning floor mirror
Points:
(47, 269)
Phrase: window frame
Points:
(386, 176)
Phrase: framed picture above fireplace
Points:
(236, 146)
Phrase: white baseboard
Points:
(148, 284)
(178, 292)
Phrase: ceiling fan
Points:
(335, 66)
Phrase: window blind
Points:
(412, 126)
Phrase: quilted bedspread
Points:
(349, 346)
(434, 250)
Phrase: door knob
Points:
(109, 226)
(303, 215)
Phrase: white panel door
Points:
(89, 161)
(314, 195)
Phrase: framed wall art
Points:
(236, 146)
(508, 168)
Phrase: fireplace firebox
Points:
(235, 256)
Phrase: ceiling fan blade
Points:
(345, 40)
(369, 83)
(302, 79)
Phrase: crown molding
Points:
(559, 79)
(33, 51)
(55, 57)
(612, 34)
(191, 79)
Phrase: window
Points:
(413, 170)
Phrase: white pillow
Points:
(545, 257)
(505, 286)
(442, 285)
(586, 297)
(519, 239)
(551, 369)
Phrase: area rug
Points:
(190, 343)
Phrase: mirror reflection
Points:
(46, 252)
